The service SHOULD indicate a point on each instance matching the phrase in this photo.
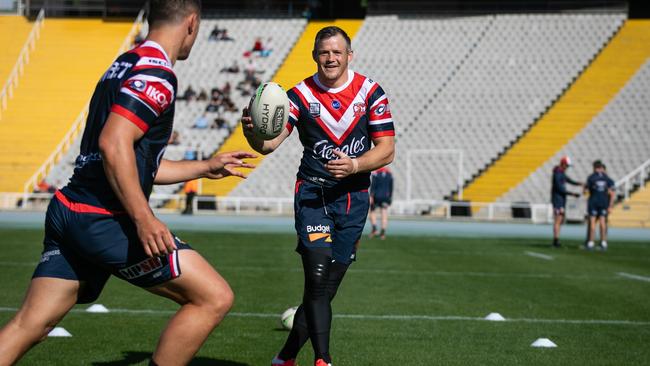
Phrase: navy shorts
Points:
(597, 209)
(381, 202)
(330, 220)
(86, 244)
(559, 204)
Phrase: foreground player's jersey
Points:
(140, 86)
(344, 118)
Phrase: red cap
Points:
(565, 161)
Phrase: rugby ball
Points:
(269, 110)
(286, 320)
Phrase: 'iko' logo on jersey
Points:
(158, 96)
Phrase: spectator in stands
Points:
(558, 196)
(260, 49)
(203, 96)
(381, 196)
(189, 94)
(216, 33)
(190, 188)
(190, 154)
(201, 122)
(601, 200)
(232, 69)
(227, 88)
(219, 123)
(224, 36)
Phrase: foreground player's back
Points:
(140, 86)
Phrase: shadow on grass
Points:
(133, 358)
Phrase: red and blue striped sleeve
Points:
(380, 121)
(294, 109)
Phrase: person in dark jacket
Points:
(558, 196)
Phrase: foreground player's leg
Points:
(205, 299)
(299, 332)
(46, 303)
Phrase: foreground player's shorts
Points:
(329, 219)
(89, 247)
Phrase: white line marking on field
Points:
(539, 255)
(634, 277)
(375, 317)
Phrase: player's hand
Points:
(223, 165)
(341, 167)
(155, 237)
(247, 123)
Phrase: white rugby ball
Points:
(286, 320)
(269, 110)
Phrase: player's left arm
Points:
(217, 167)
(612, 195)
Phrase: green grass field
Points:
(407, 301)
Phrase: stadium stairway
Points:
(295, 68)
(69, 59)
(635, 212)
(14, 31)
(585, 98)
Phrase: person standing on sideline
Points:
(558, 196)
(101, 224)
(601, 200)
(346, 128)
(381, 196)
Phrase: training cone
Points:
(59, 332)
(97, 308)
(544, 343)
(495, 317)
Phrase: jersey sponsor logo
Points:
(319, 232)
(359, 109)
(117, 70)
(314, 109)
(140, 269)
(46, 256)
(325, 150)
(139, 85)
(83, 160)
(381, 109)
(157, 96)
(336, 104)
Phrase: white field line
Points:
(634, 277)
(373, 317)
(539, 255)
(403, 272)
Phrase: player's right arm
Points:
(261, 146)
(116, 147)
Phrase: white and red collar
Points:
(334, 90)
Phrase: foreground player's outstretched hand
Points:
(156, 238)
(224, 164)
(343, 166)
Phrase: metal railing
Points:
(78, 124)
(635, 179)
(211, 205)
(7, 91)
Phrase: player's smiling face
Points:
(332, 57)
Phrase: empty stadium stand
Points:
(202, 71)
(57, 83)
(470, 83)
(13, 34)
(623, 56)
(618, 136)
(634, 212)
